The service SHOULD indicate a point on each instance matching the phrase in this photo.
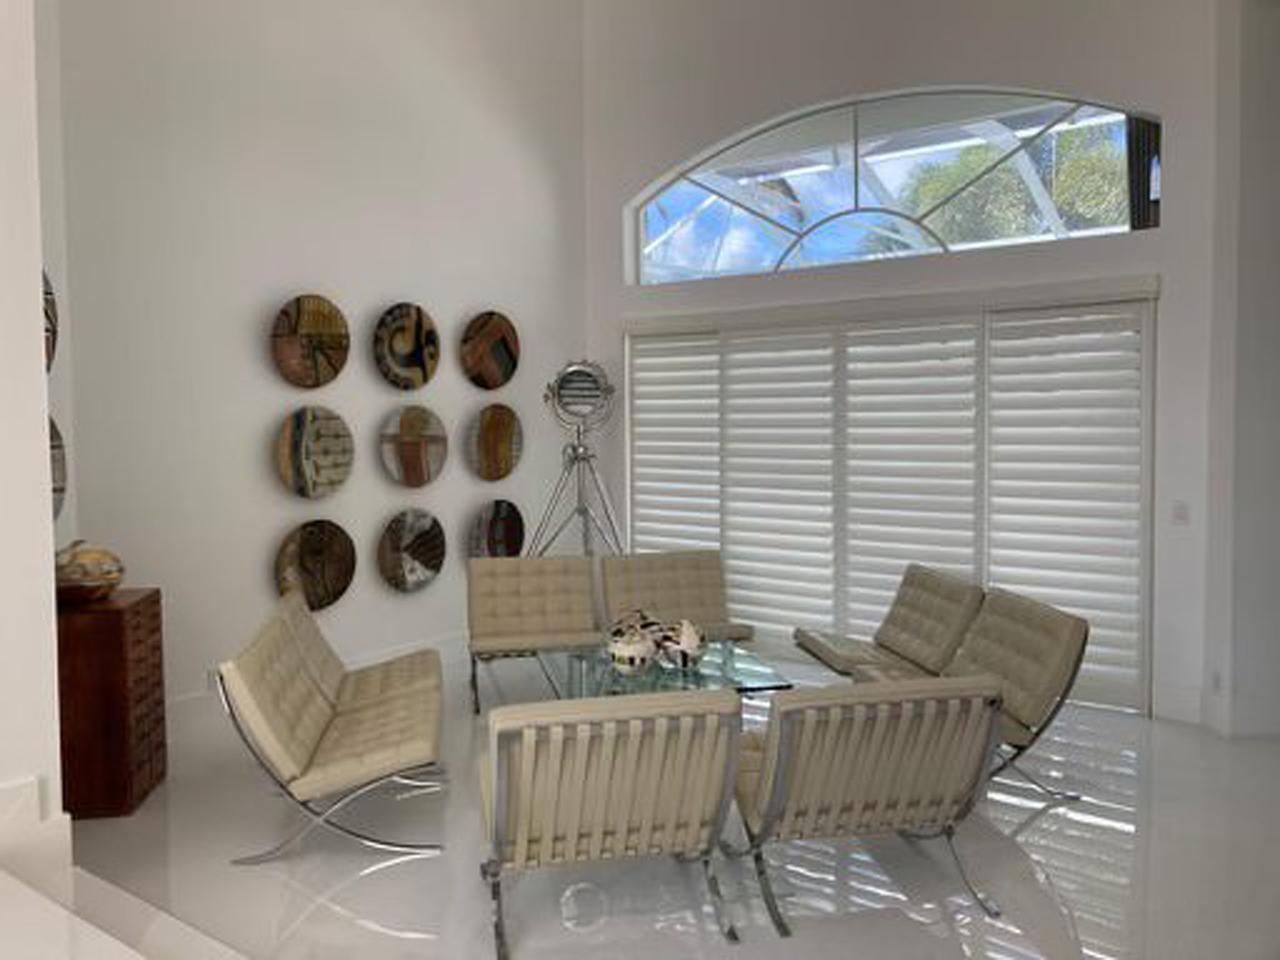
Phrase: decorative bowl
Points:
(85, 573)
(633, 642)
(683, 644)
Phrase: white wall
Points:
(666, 79)
(1255, 662)
(34, 836)
(221, 157)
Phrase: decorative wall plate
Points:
(411, 551)
(414, 446)
(494, 442)
(58, 464)
(490, 350)
(320, 558)
(314, 452)
(406, 346)
(50, 322)
(498, 530)
(309, 341)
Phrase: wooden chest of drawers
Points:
(111, 687)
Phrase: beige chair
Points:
(942, 625)
(328, 744)
(678, 585)
(919, 635)
(908, 757)
(607, 779)
(520, 606)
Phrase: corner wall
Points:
(34, 834)
(666, 79)
(223, 157)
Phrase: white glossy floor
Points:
(1174, 853)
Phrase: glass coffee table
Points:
(725, 666)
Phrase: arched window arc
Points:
(901, 174)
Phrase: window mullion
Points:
(840, 482)
(982, 464)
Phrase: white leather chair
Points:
(519, 606)
(672, 585)
(327, 744)
(851, 760)
(608, 778)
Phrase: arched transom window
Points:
(902, 175)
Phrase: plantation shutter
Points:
(911, 460)
(777, 524)
(1065, 478)
(674, 394)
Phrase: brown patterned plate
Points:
(319, 557)
(58, 465)
(414, 446)
(490, 350)
(406, 346)
(411, 551)
(50, 322)
(309, 341)
(314, 452)
(494, 442)
(498, 530)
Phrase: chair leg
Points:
(770, 899)
(989, 906)
(1060, 796)
(475, 689)
(317, 819)
(492, 873)
(717, 902)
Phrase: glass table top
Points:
(725, 666)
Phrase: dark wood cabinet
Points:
(111, 688)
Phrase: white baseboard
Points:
(34, 847)
(1177, 702)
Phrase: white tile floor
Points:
(1174, 853)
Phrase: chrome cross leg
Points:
(491, 872)
(727, 929)
(988, 905)
(762, 875)
(1058, 796)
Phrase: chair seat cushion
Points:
(737, 632)
(846, 654)
(526, 643)
(373, 741)
(887, 672)
(413, 673)
(750, 772)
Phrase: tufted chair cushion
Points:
(325, 666)
(678, 585)
(275, 697)
(529, 596)
(1031, 647)
(929, 617)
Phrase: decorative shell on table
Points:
(85, 573)
(633, 642)
(683, 644)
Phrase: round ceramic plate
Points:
(406, 346)
(411, 551)
(314, 452)
(310, 341)
(498, 530)
(58, 464)
(414, 446)
(494, 442)
(50, 323)
(490, 350)
(319, 557)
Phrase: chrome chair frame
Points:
(428, 779)
(788, 738)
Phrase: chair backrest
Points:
(276, 701)
(1034, 649)
(874, 757)
(612, 776)
(327, 670)
(675, 585)
(511, 596)
(929, 616)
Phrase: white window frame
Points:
(963, 306)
